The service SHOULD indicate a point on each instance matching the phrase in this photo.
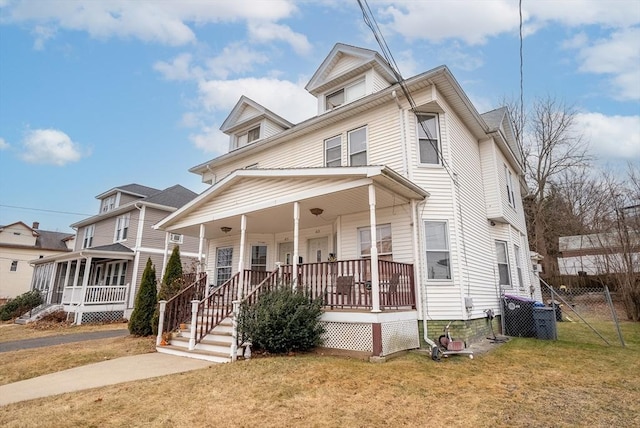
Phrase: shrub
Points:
(21, 304)
(281, 321)
(172, 279)
(146, 300)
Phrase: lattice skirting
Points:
(396, 336)
(400, 336)
(103, 316)
(348, 336)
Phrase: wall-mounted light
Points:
(316, 211)
(225, 229)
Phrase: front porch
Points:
(205, 317)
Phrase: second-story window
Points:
(122, 227)
(428, 141)
(87, 239)
(253, 134)
(358, 146)
(349, 93)
(176, 238)
(508, 179)
(333, 151)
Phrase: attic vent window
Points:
(345, 95)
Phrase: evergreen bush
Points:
(141, 320)
(282, 321)
(21, 304)
(172, 280)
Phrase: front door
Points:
(285, 253)
(318, 250)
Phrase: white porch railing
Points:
(100, 294)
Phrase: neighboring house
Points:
(402, 218)
(99, 279)
(595, 254)
(19, 244)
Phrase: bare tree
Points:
(553, 148)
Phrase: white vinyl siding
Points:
(357, 146)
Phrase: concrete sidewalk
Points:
(118, 370)
(40, 342)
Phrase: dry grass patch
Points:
(525, 382)
(29, 363)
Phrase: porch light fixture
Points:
(316, 211)
(225, 229)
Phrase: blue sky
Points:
(96, 94)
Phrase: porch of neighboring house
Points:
(91, 286)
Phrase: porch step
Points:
(196, 353)
(37, 313)
(215, 346)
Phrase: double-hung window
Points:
(87, 240)
(253, 134)
(428, 139)
(438, 252)
(345, 95)
(357, 146)
(109, 203)
(14, 266)
(122, 227)
(224, 259)
(383, 240)
(259, 257)
(516, 250)
(502, 254)
(175, 238)
(333, 151)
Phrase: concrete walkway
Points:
(60, 339)
(118, 370)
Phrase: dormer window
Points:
(253, 134)
(345, 95)
(108, 204)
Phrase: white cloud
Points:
(50, 146)
(211, 140)
(236, 58)
(618, 56)
(611, 137)
(159, 21)
(3, 144)
(179, 68)
(474, 22)
(267, 32)
(454, 54)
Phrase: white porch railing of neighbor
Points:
(98, 294)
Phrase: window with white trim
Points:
(428, 138)
(108, 204)
(224, 260)
(253, 134)
(502, 254)
(122, 227)
(116, 273)
(349, 93)
(516, 250)
(384, 242)
(357, 146)
(259, 257)
(438, 252)
(333, 151)
(175, 238)
(87, 240)
(508, 179)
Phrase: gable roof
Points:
(48, 240)
(246, 111)
(19, 223)
(494, 118)
(361, 60)
(499, 122)
(130, 189)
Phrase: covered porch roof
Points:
(106, 252)
(268, 195)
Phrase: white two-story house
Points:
(401, 215)
(98, 280)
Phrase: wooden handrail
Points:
(178, 308)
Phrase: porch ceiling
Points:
(278, 219)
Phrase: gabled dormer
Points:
(349, 73)
(499, 123)
(249, 122)
(113, 198)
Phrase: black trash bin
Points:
(518, 316)
(545, 321)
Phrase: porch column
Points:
(85, 282)
(375, 279)
(200, 246)
(243, 237)
(296, 238)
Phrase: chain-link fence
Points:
(584, 315)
